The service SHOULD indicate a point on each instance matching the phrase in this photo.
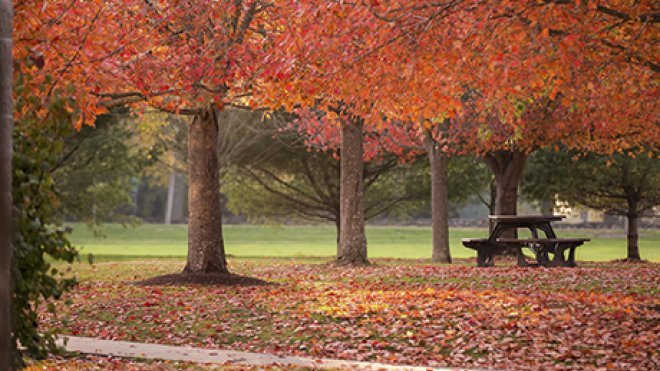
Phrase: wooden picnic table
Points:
(541, 246)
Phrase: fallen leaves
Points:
(459, 316)
(94, 362)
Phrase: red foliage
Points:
(537, 73)
(173, 55)
(582, 73)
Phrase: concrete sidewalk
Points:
(201, 355)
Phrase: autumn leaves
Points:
(474, 76)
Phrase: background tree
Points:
(166, 178)
(438, 162)
(346, 136)
(94, 175)
(302, 184)
(245, 136)
(431, 138)
(296, 181)
(6, 118)
(545, 176)
(469, 178)
(618, 185)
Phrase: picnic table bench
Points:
(540, 246)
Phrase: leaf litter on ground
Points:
(600, 315)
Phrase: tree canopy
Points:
(512, 72)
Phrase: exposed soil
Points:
(205, 279)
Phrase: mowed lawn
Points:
(157, 240)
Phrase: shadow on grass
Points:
(203, 279)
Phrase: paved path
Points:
(201, 355)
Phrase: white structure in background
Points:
(576, 214)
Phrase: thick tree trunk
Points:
(633, 233)
(6, 121)
(507, 166)
(206, 251)
(352, 239)
(439, 201)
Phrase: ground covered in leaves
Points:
(84, 362)
(403, 312)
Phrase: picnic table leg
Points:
(541, 252)
(542, 258)
(547, 229)
(481, 258)
(521, 257)
(490, 260)
(571, 257)
(559, 260)
(485, 258)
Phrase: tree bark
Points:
(352, 248)
(439, 201)
(6, 123)
(206, 251)
(507, 166)
(633, 232)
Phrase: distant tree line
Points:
(269, 174)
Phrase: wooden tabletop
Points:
(526, 218)
(549, 240)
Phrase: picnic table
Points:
(541, 246)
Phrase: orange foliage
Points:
(508, 73)
(173, 55)
(580, 73)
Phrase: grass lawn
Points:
(155, 240)
(599, 315)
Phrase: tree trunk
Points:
(547, 207)
(338, 228)
(135, 194)
(6, 122)
(171, 184)
(206, 251)
(491, 206)
(352, 239)
(439, 201)
(633, 233)
(179, 205)
(507, 166)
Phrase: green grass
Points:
(154, 240)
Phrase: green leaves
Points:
(38, 239)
